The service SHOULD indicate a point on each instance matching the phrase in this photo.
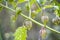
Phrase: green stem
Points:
(7, 7)
(39, 23)
(45, 24)
(31, 19)
(29, 9)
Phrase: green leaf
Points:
(48, 6)
(38, 10)
(58, 4)
(5, 0)
(21, 33)
(14, 4)
(18, 11)
(10, 0)
(27, 7)
(21, 1)
(1, 8)
(0, 1)
(32, 2)
(58, 13)
(42, 2)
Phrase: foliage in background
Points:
(34, 7)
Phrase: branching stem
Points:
(31, 19)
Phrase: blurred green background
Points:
(7, 27)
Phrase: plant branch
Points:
(7, 7)
(31, 19)
(39, 23)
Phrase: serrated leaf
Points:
(21, 33)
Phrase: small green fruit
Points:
(44, 19)
(33, 14)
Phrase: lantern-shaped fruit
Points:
(44, 18)
(28, 24)
(42, 33)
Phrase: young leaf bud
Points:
(18, 11)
